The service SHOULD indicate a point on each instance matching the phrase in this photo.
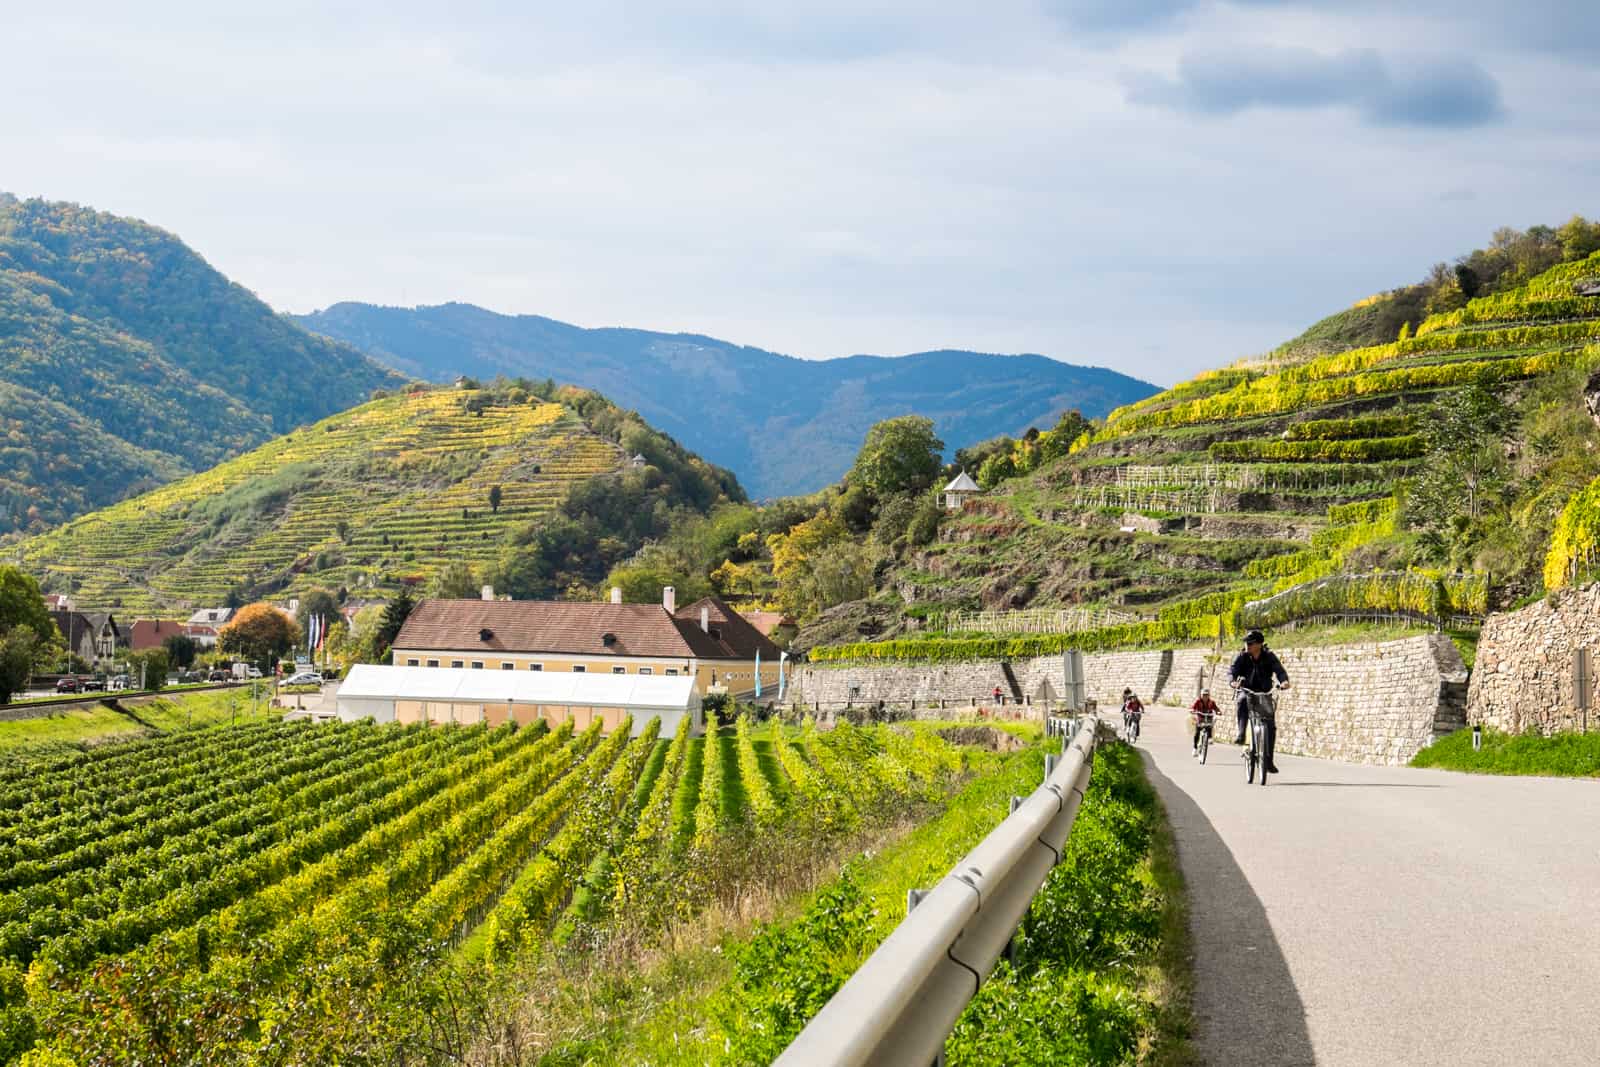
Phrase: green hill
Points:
(786, 425)
(390, 491)
(126, 360)
(1401, 483)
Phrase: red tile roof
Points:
(151, 633)
(580, 629)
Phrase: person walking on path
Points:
(1255, 669)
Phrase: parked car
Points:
(253, 673)
(96, 684)
(68, 685)
(219, 675)
(122, 681)
(304, 678)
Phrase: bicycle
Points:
(1130, 727)
(1255, 755)
(1206, 721)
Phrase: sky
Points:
(1156, 186)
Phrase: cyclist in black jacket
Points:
(1255, 669)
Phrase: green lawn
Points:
(1564, 755)
(100, 723)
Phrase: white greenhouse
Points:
(445, 695)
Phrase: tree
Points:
(181, 650)
(259, 632)
(395, 614)
(456, 580)
(19, 650)
(495, 497)
(1465, 468)
(317, 602)
(996, 469)
(22, 604)
(149, 667)
(900, 455)
(1579, 238)
(818, 565)
(342, 527)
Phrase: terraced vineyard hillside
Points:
(282, 888)
(1414, 481)
(389, 490)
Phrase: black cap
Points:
(1254, 638)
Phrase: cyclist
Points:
(1205, 711)
(1132, 710)
(1255, 669)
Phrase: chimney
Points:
(705, 619)
(488, 592)
(616, 594)
(669, 600)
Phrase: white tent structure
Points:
(446, 695)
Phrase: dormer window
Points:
(485, 634)
(608, 639)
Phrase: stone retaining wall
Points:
(1372, 703)
(1366, 703)
(1522, 681)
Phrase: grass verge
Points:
(92, 725)
(1563, 755)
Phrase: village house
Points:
(153, 633)
(707, 641)
(93, 636)
(205, 624)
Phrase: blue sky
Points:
(1157, 186)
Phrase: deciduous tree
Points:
(258, 632)
(900, 455)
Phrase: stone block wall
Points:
(1522, 681)
(1371, 703)
(1365, 703)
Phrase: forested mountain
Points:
(126, 360)
(785, 425)
(533, 489)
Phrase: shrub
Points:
(1575, 537)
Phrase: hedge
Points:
(1411, 592)
(1361, 511)
(1408, 446)
(964, 649)
(1576, 535)
(1348, 429)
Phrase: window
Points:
(411, 663)
(619, 670)
(646, 670)
(477, 664)
(507, 666)
(433, 663)
(536, 666)
(673, 671)
(455, 663)
(579, 668)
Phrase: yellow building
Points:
(707, 641)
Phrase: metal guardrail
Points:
(901, 1004)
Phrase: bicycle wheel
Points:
(1250, 761)
(1205, 745)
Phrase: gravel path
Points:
(1367, 916)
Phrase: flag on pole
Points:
(758, 674)
(782, 656)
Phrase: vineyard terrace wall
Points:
(1522, 681)
(1366, 703)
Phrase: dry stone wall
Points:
(1371, 703)
(1366, 703)
(1523, 680)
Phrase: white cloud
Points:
(927, 175)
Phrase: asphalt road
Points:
(1353, 915)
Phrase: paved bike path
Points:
(1354, 915)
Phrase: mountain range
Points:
(126, 361)
(784, 425)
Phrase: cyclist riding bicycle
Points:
(1205, 712)
(1255, 670)
(1132, 710)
